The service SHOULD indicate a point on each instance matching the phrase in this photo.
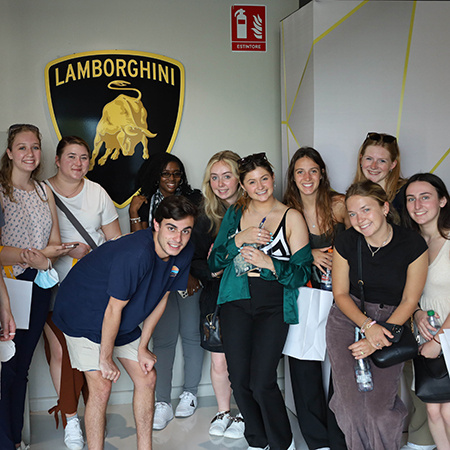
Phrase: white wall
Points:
(232, 99)
(374, 66)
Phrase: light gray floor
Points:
(180, 434)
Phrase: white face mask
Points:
(46, 279)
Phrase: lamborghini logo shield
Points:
(127, 105)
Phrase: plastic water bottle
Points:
(325, 281)
(363, 375)
(433, 322)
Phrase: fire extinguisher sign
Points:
(248, 28)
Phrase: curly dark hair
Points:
(149, 174)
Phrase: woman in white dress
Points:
(428, 206)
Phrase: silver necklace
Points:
(313, 225)
(381, 246)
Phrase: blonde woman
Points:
(221, 189)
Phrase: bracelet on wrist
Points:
(363, 326)
(435, 340)
(367, 324)
(135, 219)
(414, 313)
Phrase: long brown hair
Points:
(324, 198)
(6, 164)
(394, 180)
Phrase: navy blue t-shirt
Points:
(127, 269)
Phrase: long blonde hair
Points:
(213, 206)
(6, 164)
(394, 180)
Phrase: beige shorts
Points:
(85, 354)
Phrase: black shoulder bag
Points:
(74, 221)
(404, 345)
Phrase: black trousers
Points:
(14, 377)
(317, 422)
(253, 334)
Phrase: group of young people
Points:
(247, 252)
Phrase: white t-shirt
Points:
(93, 208)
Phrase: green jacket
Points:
(291, 274)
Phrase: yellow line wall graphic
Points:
(405, 70)
(415, 112)
(318, 39)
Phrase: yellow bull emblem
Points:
(123, 126)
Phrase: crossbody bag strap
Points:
(74, 221)
(360, 280)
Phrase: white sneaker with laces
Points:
(187, 405)
(163, 415)
(73, 436)
(411, 446)
(220, 423)
(236, 428)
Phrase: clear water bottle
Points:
(363, 375)
(325, 281)
(433, 322)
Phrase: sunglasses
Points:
(167, 174)
(255, 158)
(18, 126)
(377, 137)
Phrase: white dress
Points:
(436, 294)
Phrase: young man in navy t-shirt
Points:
(105, 297)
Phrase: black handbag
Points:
(210, 335)
(432, 383)
(211, 338)
(404, 345)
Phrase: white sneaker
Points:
(236, 428)
(23, 446)
(73, 436)
(411, 446)
(259, 448)
(220, 423)
(163, 415)
(187, 405)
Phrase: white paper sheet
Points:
(20, 297)
(445, 344)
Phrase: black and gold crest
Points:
(127, 105)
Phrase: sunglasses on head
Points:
(18, 126)
(381, 137)
(256, 158)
